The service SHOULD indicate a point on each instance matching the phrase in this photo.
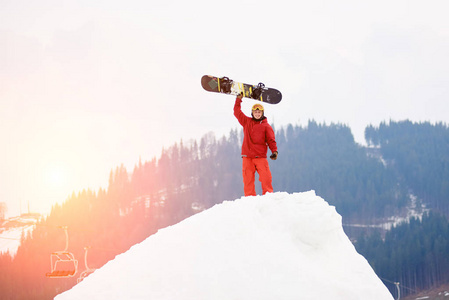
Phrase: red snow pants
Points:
(249, 168)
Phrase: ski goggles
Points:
(257, 107)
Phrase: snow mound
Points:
(277, 246)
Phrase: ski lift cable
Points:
(8, 238)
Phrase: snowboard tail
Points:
(225, 85)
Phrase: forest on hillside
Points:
(419, 153)
(415, 253)
(366, 185)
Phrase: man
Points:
(258, 135)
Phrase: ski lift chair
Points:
(63, 263)
(88, 270)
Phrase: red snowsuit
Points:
(258, 135)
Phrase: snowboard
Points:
(225, 85)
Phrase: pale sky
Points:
(88, 85)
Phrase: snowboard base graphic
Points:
(225, 85)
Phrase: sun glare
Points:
(56, 176)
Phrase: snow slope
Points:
(10, 239)
(12, 230)
(277, 246)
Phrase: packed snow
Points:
(276, 246)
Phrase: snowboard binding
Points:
(257, 91)
(225, 84)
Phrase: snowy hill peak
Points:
(277, 246)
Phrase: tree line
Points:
(415, 253)
(419, 153)
(189, 177)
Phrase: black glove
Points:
(274, 156)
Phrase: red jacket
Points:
(257, 134)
